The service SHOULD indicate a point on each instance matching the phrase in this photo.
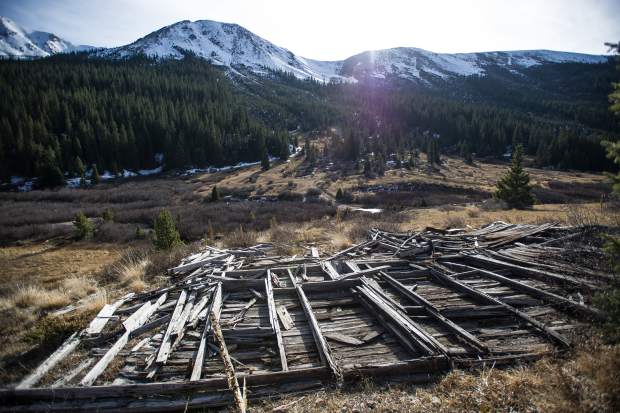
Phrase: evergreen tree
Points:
(264, 160)
(51, 176)
(368, 172)
(514, 187)
(166, 234)
(339, 194)
(84, 226)
(95, 178)
(215, 195)
(107, 215)
(284, 149)
(78, 167)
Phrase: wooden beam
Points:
(369, 271)
(410, 331)
(325, 352)
(99, 322)
(528, 272)
(275, 324)
(134, 321)
(63, 351)
(431, 310)
(216, 307)
(560, 339)
(330, 270)
(233, 384)
(166, 342)
(544, 295)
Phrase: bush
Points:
(287, 195)
(107, 215)
(84, 226)
(166, 234)
(313, 193)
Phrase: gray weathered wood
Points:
(275, 325)
(216, 307)
(557, 337)
(285, 317)
(56, 357)
(325, 352)
(460, 332)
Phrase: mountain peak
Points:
(17, 42)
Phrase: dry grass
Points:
(584, 382)
(130, 271)
(240, 237)
(35, 296)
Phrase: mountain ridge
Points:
(239, 50)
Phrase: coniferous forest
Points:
(68, 112)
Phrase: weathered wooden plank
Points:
(460, 332)
(285, 317)
(99, 322)
(544, 295)
(369, 271)
(414, 333)
(275, 325)
(216, 307)
(166, 343)
(56, 357)
(329, 269)
(324, 350)
(529, 272)
(134, 321)
(491, 300)
(233, 383)
(343, 338)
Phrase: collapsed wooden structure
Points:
(407, 305)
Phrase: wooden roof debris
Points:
(399, 303)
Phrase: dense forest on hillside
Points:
(68, 111)
(559, 113)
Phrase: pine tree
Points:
(107, 215)
(95, 178)
(264, 161)
(514, 187)
(215, 194)
(78, 167)
(51, 176)
(166, 234)
(339, 194)
(284, 149)
(84, 226)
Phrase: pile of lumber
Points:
(241, 324)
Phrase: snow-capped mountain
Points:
(17, 42)
(225, 44)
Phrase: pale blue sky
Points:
(336, 29)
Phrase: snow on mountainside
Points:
(225, 44)
(417, 64)
(16, 42)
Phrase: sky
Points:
(337, 29)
